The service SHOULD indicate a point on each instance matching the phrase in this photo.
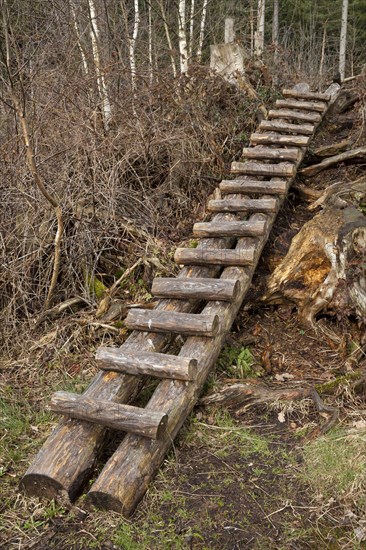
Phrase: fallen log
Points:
(353, 154)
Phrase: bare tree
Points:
(259, 35)
(183, 52)
(343, 39)
(202, 30)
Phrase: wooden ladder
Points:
(200, 304)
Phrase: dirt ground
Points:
(256, 477)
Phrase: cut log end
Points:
(104, 501)
(42, 486)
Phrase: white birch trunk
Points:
(150, 46)
(183, 53)
(168, 38)
(102, 88)
(259, 35)
(322, 57)
(191, 24)
(202, 30)
(80, 47)
(343, 40)
(132, 43)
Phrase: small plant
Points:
(236, 362)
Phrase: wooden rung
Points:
(317, 96)
(190, 324)
(120, 417)
(191, 288)
(226, 257)
(242, 205)
(286, 127)
(159, 365)
(294, 115)
(229, 229)
(285, 169)
(277, 139)
(275, 186)
(319, 106)
(269, 153)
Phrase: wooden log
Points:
(158, 365)
(286, 127)
(197, 289)
(358, 153)
(284, 169)
(192, 256)
(318, 106)
(144, 422)
(268, 153)
(294, 115)
(229, 229)
(242, 205)
(275, 139)
(66, 460)
(192, 324)
(275, 186)
(316, 96)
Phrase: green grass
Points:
(236, 361)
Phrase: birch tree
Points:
(259, 35)
(182, 35)
(343, 40)
(202, 30)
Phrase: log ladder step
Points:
(275, 186)
(279, 140)
(226, 257)
(158, 365)
(285, 169)
(294, 115)
(286, 127)
(188, 324)
(225, 290)
(318, 106)
(116, 416)
(229, 229)
(317, 96)
(269, 153)
(242, 205)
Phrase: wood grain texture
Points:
(317, 106)
(191, 256)
(192, 324)
(316, 96)
(143, 422)
(294, 115)
(275, 186)
(229, 229)
(144, 363)
(286, 127)
(279, 140)
(242, 205)
(284, 169)
(197, 289)
(269, 153)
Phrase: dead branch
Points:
(358, 153)
(339, 189)
(335, 148)
(70, 304)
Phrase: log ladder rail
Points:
(200, 304)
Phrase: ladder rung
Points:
(277, 139)
(317, 96)
(159, 365)
(319, 106)
(285, 169)
(227, 257)
(120, 417)
(286, 127)
(242, 205)
(272, 187)
(191, 288)
(229, 229)
(294, 115)
(189, 324)
(270, 153)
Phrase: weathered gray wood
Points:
(158, 365)
(279, 140)
(198, 289)
(192, 256)
(294, 115)
(275, 186)
(228, 229)
(358, 153)
(284, 169)
(270, 153)
(286, 127)
(316, 96)
(192, 324)
(317, 106)
(242, 205)
(144, 422)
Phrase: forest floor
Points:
(260, 477)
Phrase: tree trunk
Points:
(259, 35)
(343, 40)
(202, 30)
(183, 53)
